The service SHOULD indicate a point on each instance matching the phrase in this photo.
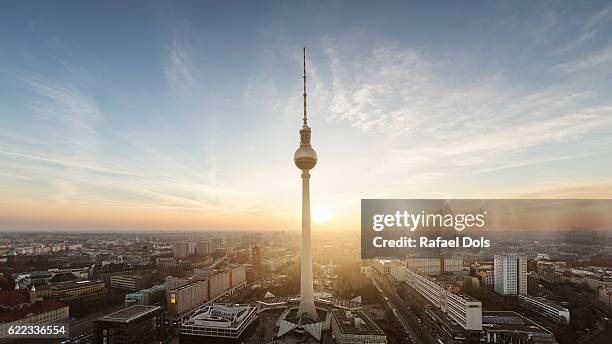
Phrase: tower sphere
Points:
(305, 158)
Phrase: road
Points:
(402, 313)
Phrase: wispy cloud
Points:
(179, 70)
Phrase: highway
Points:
(401, 311)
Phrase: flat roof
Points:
(130, 313)
(347, 323)
(510, 321)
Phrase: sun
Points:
(322, 215)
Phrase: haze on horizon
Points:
(185, 116)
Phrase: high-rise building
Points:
(510, 272)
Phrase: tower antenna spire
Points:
(305, 117)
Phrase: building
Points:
(433, 266)
(203, 248)
(219, 284)
(80, 290)
(510, 327)
(546, 308)
(533, 284)
(237, 275)
(23, 307)
(182, 249)
(130, 281)
(510, 272)
(219, 323)
(462, 309)
(382, 266)
(182, 301)
(133, 325)
(355, 327)
(149, 296)
(604, 296)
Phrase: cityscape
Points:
(527, 289)
(192, 172)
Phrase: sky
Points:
(151, 115)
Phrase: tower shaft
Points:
(306, 289)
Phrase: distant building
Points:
(435, 265)
(133, 325)
(24, 307)
(183, 248)
(546, 308)
(203, 248)
(511, 327)
(219, 323)
(604, 296)
(510, 274)
(355, 327)
(382, 266)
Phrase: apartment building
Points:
(510, 271)
(462, 309)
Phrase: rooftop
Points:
(36, 308)
(76, 284)
(131, 313)
(510, 321)
(356, 322)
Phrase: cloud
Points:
(433, 120)
(180, 72)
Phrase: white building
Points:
(227, 321)
(546, 308)
(464, 310)
(510, 271)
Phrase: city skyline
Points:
(166, 117)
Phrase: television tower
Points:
(305, 159)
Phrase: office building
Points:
(546, 308)
(133, 325)
(510, 271)
(219, 323)
(355, 327)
